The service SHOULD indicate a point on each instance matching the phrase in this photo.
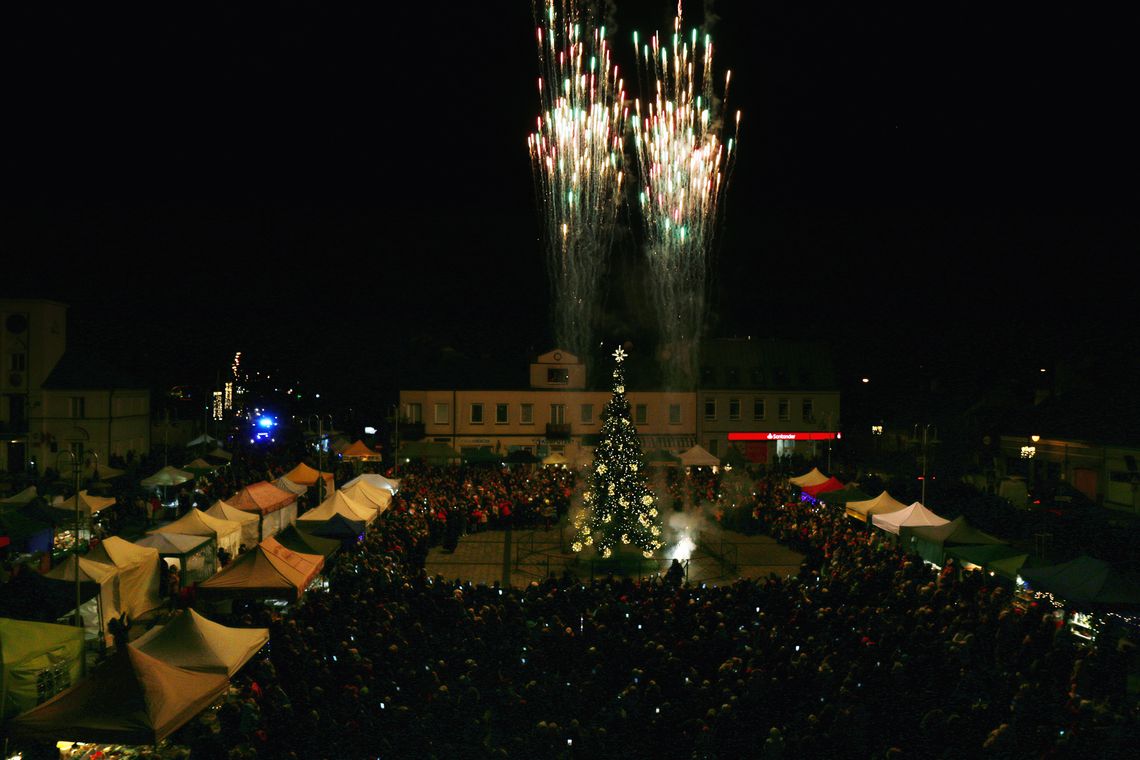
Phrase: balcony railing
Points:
(558, 431)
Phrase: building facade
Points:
(56, 401)
(556, 412)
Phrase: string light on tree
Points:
(619, 509)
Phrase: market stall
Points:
(226, 533)
(811, 478)
(882, 504)
(369, 495)
(194, 642)
(196, 557)
(300, 539)
(250, 521)
(96, 609)
(131, 698)
(268, 571)
(274, 507)
(137, 572)
(340, 504)
(38, 661)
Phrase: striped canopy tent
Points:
(880, 505)
(831, 484)
(812, 478)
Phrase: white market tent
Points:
(167, 476)
(557, 458)
(249, 521)
(915, 514)
(698, 457)
(275, 507)
(194, 556)
(288, 485)
(131, 698)
(139, 576)
(194, 642)
(388, 484)
(28, 651)
(21, 498)
(339, 504)
(227, 533)
(369, 496)
(204, 440)
(882, 504)
(89, 504)
(812, 478)
(98, 611)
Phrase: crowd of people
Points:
(865, 653)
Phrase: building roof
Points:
(78, 371)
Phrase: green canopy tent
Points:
(300, 540)
(38, 661)
(931, 541)
(991, 558)
(850, 492)
(432, 452)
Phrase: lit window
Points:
(442, 414)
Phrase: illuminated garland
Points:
(618, 508)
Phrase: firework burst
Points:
(683, 167)
(577, 157)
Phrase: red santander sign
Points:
(789, 436)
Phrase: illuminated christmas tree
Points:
(619, 509)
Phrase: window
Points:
(476, 414)
(785, 409)
(759, 409)
(526, 414)
(733, 376)
(710, 408)
(757, 375)
(415, 413)
(708, 375)
(442, 414)
(557, 414)
(713, 446)
(17, 362)
(640, 414)
(76, 448)
(78, 407)
(557, 376)
(809, 410)
(587, 414)
(674, 414)
(501, 414)
(734, 408)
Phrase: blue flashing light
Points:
(266, 422)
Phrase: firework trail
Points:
(683, 168)
(577, 157)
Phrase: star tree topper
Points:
(620, 355)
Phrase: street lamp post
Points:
(320, 454)
(396, 446)
(932, 439)
(76, 467)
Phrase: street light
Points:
(320, 454)
(396, 446)
(76, 468)
(932, 439)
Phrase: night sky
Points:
(341, 192)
